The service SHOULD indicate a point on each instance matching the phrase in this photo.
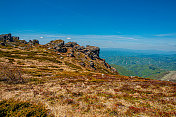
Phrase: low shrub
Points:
(16, 108)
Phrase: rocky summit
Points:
(84, 57)
(9, 40)
(69, 80)
(88, 56)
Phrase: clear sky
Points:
(131, 24)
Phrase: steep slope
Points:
(71, 80)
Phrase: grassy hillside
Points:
(38, 74)
(16, 108)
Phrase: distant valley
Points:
(146, 64)
(61, 79)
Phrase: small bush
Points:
(15, 108)
(10, 73)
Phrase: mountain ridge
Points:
(70, 80)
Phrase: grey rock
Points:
(23, 41)
(35, 41)
(61, 49)
(92, 64)
(71, 44)
(80, 47)
(56, 43)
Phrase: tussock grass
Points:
(11, 108)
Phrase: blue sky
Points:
(131, 24)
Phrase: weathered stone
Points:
(70, 44)
(61, 49)
(57, 43)
(35, 41)
(94, 49)
(6, 38)
(23, 41)
(92, 64)
(80, 47)
(61, 43)
(30, 42)
(91, 51)
(15, 39)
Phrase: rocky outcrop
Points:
(8, 38)
(88, 56)
(15, 39)
(85, 57)
(61, 49)
(71, 44)
(92, 64)
(23, 41)
(91, 51)
(33, 42)
(59, 45)
(56, 43)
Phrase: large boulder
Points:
(23, 41)
(93, 49)
(57, 43)
(80, 47)
(6, 38)
(35, 41)
(71, 44)
(61, 49)
(15, 39)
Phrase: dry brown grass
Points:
(10, 73)
(82, 93)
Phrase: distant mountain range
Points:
(130, 52)
(143, 63)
